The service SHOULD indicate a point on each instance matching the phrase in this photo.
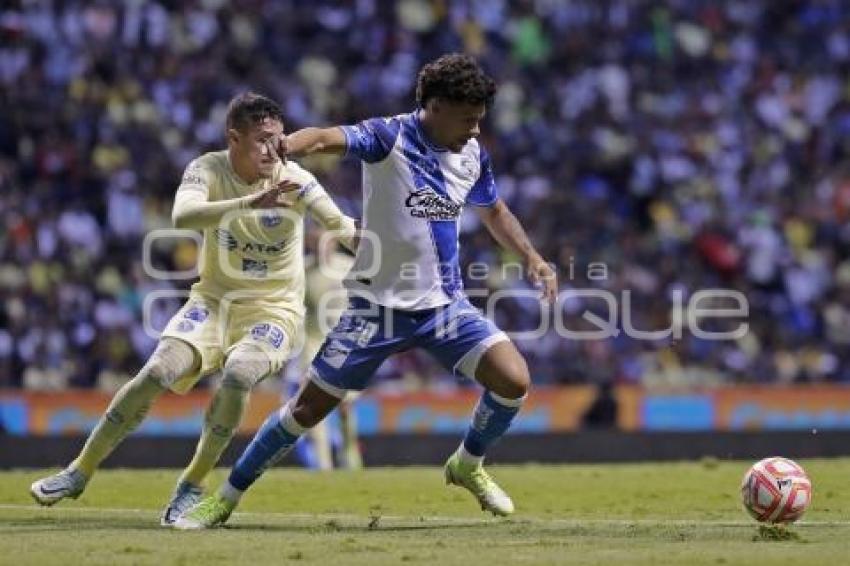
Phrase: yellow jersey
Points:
(251, 255)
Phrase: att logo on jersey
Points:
(227, 240)
(428, 203)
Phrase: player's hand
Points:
(272, 197)
(540, 274)
(355, 239)
(277, 146)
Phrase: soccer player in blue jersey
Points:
(419, 171)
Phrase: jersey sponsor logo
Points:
(192, 175)
(429, 204)
(197, 313)
(192, 179)
(254, 267)
(226, 240)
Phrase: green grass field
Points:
(677, 513)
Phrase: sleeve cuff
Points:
(347, 134)
(487, 204)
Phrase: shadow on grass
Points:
(334, 526)
(24, 525)
(150, 523)
(776, 533)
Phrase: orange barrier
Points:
(551, 409)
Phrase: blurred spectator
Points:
(602, 413)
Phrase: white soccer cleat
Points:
(185, 497)
(472, 477)
(53, 489)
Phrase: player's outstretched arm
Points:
(193, 211)
(507, 230)
(308, 141)
(330, 217)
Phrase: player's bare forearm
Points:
(507, 230)
(308, 141)
(510, 234)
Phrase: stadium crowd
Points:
(682, 145)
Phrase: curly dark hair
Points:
(250, 108)
(456, 77)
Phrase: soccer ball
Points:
(776, 490)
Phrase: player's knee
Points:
(157, 371)
(312, 405)
(503, 370)
(515, 379)
(244, 368)
(307, 415)
(171, 360)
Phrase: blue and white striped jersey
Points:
(413, 196)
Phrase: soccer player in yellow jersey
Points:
(243, 314)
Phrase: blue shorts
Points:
(456, 334)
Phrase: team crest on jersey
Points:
(468, 167)
(271, 220)
(428, 203)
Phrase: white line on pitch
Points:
(435, 518)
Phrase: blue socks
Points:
(272, 442)
(491, 419)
